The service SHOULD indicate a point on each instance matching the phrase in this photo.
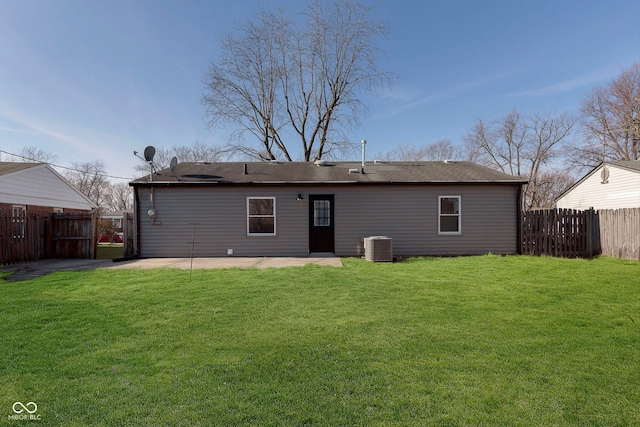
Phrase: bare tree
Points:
(120, 197)
(521, 146)
(34, 154)
(90, 179)
(106, 226)
(610, 121)
(197, 152)
(241, 83)
(501, 143)
(443, 149)
(277, 78)
(548, 186)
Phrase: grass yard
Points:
(477, 341)
(109, 250)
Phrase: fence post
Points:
(590, 232)
(94, 234)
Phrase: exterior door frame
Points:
(321, 238)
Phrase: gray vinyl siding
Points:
(409, 215)
(406, 213)
(221, 215)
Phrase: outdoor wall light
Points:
(300, 197)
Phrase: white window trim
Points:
(459, 215)
(264, 216)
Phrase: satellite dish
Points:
(149, 152)
(174, 164)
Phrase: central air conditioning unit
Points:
(378, 249)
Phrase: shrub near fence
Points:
(581, 234)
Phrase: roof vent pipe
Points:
(364, 142)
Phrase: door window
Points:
(321, 213)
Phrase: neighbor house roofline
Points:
(16, 168)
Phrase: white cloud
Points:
(574, 83)
(411, 101)
(79, 144)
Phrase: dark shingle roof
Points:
(329, 173)
(627, 164)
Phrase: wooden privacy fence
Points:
(27, 236)
(21, 236)
(620, 233)
(581, 234)
(128, 235)
(557, 232)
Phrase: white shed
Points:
(611, 185)
(38, 184)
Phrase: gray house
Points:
(299, 208)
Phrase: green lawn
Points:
(475, 341)
(109, 250)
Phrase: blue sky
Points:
(89, 79)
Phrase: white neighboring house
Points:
(37, 187)
(611, 185)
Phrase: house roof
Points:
(328, 173)
(9, 167)
(632, 165)
(29, 182)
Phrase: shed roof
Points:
(328, 173)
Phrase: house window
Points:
(261, 216)
(449, 215)
(58, 210)
(18, 221)
(117, 222)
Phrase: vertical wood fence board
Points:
(128, 235)
(620, 233)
